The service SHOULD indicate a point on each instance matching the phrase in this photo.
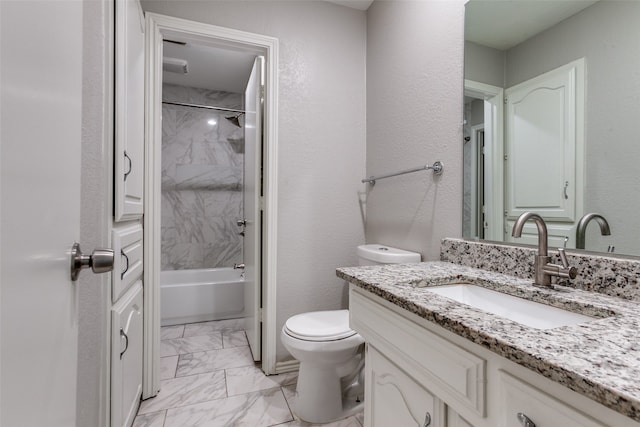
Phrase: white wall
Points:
(321, 138)
(414, 117)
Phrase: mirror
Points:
(552, 102)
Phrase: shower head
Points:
(235, 119)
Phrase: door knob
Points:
(241, 222)
(100, 261)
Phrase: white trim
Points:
(157, 27)
(287, 366)
(494, 154)
(474, 179)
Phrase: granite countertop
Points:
(599, 359)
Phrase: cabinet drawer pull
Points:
(126, 266)
(524, 420)
(427, 420)
(126, 343)
(126, 174)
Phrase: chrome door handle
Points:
(241, 222)
(238, 266)
(126, 342)
(100, 261)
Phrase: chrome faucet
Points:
(582, 228)
(544, 269)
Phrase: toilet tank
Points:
(374, 254)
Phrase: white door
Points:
(41, 100)
(543, 122)
(252, 211)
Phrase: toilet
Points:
(331, 355)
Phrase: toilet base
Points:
(329, 406)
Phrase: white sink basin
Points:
(529, 313)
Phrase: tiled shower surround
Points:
(202, 168)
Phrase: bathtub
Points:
(200, 295)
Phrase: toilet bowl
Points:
(331, 355)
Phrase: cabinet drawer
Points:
(518, 397)
(127, 266)
(449, 371)
(395, 399)
(126, 356)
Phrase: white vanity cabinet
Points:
(395, 398)
(522, 403)
(126, 357)
(414, 366)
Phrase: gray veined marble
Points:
(207, 361)
(213, 327)
(155, 419)
(202, 181)
(185, 391)
(599, 359)
(234, 339)
(249, 379)
(170, 332)
(193, 344)
(260, 409)
(168, 367)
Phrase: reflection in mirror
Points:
(552, 102)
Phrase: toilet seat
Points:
(320, 326)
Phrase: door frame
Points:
(159, 27)
(493, 97)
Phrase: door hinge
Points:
(506, 157)
(506, 100)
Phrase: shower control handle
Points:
(238, 266)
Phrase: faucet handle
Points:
(563, 257)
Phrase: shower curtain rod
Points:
(206, 107)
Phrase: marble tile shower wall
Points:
(619, 277)
(202, 165)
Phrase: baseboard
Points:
(287, 366)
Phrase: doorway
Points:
(256, 121)
(484, 152)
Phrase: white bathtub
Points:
(188, 296)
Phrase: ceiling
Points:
(209, 67)
(354, 4)
(221, 69)
(502, 24)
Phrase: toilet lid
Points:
(320, 325)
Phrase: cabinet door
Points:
(127, 266)
(393, 398)
(521, 403)
(544, 121)
(129, 110)
(126, 357)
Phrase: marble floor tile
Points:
(360, 418)
(249, 379)
(171, 332)
(168, 367)
(260, 409)
(289, 391)
(184, 391)
(234, 339)
(155, 419)
(347, 422)
(190, 345)
(204, 328)
(208, 361)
